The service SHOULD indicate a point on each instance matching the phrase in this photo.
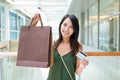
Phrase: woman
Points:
(67, 46)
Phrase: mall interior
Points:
(99, 22)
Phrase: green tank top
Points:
(58, 70)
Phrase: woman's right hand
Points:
(35, 19)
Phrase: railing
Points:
(103, 53)
(102, 66)
(8, 54)
(88, 53)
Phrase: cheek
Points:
(62, 28)
(71, 31)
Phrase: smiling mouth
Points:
(65, 33)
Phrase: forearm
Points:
(79, 70)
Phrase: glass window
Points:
(19, 22)
(104, 35)
(2, 23)
(93, 25)
(2, 17)
(108, 24)
(13, 35)
(85, 36)
(2, 35)
(13, 25)
(13, 21)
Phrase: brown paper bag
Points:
(34, 48)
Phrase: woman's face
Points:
(66, 28)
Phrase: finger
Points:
(85, 63)
(36, 15)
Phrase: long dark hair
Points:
(74, 44)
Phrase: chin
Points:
(65, 36)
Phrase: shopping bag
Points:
(35, 46)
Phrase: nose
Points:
(66, 28)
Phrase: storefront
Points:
(101, 25)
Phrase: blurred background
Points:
(99, 22)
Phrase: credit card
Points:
(81, 55)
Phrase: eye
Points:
(65, 24)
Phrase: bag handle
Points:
(33, 19)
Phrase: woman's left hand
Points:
(81, 64)
(84, 62)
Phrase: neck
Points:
(66, 41)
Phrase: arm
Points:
(78, 68)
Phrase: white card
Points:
(81, 55)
